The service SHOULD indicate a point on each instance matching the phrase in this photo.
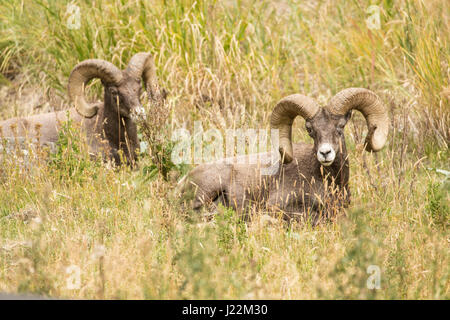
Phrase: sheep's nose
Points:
(325, 154)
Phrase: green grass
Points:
(227, 63)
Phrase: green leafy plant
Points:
(231, 228)
(438, 203)
(71, 160)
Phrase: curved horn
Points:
(283, 116)
(143, 65)
(368, 103)
(82, 74)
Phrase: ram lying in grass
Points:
(109, 126)
(311, 181)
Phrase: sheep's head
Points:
(122, 87)
(327, 130)
(326, 125)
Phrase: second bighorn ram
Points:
(109, 126)
(311, 181)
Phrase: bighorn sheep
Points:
(109, 126)
(308, 176)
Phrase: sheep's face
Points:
(327, 130)
(125, 98)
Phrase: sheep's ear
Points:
(343, 121)
(348, 115)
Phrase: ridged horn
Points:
(143, 65)
(370, 105)
(82, 74)
(283, 115)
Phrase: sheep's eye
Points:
(310, 131)
(308, 128)
(113, 91)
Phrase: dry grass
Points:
(227, 63)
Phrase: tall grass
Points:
(226, 63)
